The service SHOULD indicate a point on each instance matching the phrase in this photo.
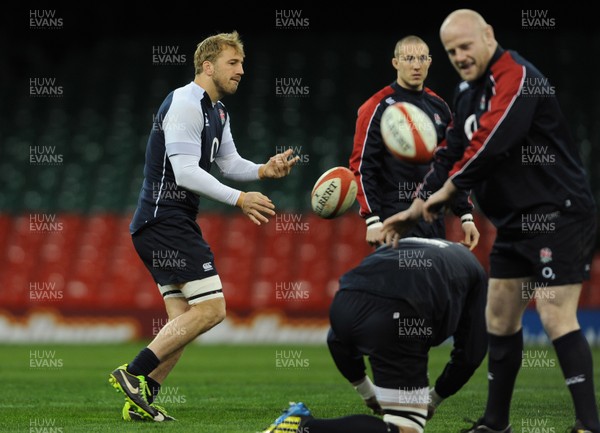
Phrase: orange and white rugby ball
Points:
(408, 133)
(334, 192)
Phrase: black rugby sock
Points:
(575, 359)
(504, 361)
(144, 363)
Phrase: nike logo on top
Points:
(129, 386)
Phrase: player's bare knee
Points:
(212, 311)
(219, 311)
(557, 321)
(497, 324)
(501, 326)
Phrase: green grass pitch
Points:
(241, 389)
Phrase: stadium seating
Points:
(91, 261)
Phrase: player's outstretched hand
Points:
(397, 225)
(279, 165)
(471, 235)
(256, 205)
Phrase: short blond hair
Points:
(410, 39)
(210, 48)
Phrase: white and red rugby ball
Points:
(408, 133)
(334, 193)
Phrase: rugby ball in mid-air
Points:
(334, 192)
(408, 133)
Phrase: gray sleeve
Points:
(234, 167)
(190, 176)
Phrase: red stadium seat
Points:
(20, 257)
(6, 222)
(263, 294)
(320, 232)
(314, 264)
(280, 247)
(15, 290)
(592, 300)
(305, 296)
(349, 228)
(585, 299)
(125, 279)
(273, 269)
(213, 229)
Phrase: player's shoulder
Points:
(436, 99)
(371, 104)
(432, 95)
(509, 65)
(188, 96)
(521, 62)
